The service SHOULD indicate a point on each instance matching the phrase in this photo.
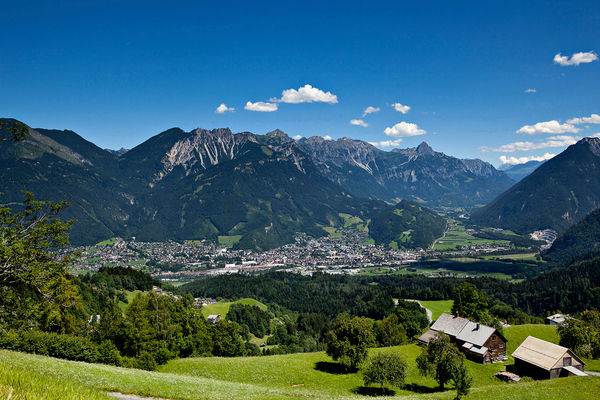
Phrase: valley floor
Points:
(307, 376)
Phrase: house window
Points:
(567, 362)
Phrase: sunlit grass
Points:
(437, 307)
(222, 307)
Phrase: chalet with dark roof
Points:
(479, 342)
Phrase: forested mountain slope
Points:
(558, 194)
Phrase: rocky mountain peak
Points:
(593, 144)
(425, 149)
(314, 139)
(203, 148)
(219, 132)
(278, 137)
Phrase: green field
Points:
(229, 241)
(107, 242)
(307, 376)
(333, 232)
(452, 239)
(351, 221)
(437, 307)
(130, 297)
(517, 256)
(222, 307)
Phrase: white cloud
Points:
(576, 58)
(596, 135)
(327, 137)
(359, 122)
(404, 129)
(223, 108)
(530, 90)
(370, 110)
(387, 143)
(522, 160)
(553, 127)
(553, 141)
(592, 119)
(401, 108)
(298, 137)
(260, 106)
(306, 94)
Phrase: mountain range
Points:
(520, 171)
(558, 194)
(261, 189)
(419, 174)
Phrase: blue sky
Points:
(120, 72)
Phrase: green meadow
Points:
(306, 376)
(229, 241)
(455, 238)
(222, 307)
(437, 307)
(107, 242)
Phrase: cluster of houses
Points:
(158, 290)
(534, 357)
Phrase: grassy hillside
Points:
(437, 307)
(309, 376)
(222, 307)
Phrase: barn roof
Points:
(475, 333)
(427, 336)
(449, 324)
(540, 352)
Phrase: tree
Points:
(34, 285)
(582, 335)
(470, 303)
(390, 332)
(385, 368)
(462, 381)
(349, 340)
(227, 340)
(440, 359)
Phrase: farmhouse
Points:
(214, 318)
(479, 342)
(544, 360)
(557, 319)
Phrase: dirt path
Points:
(427, 310)
(124, 396)
(438, 239)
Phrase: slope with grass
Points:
(308, 376)
(437, 307)
(222, 307)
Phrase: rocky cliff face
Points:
(202, 149)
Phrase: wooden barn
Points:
(544, 360)
(479, 342)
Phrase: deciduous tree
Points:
(34, 286)
(350, 339)
(440, 359)
(385, 368)
(470, 303)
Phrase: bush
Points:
(53, 344)
(145, 361)
(109, 354)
